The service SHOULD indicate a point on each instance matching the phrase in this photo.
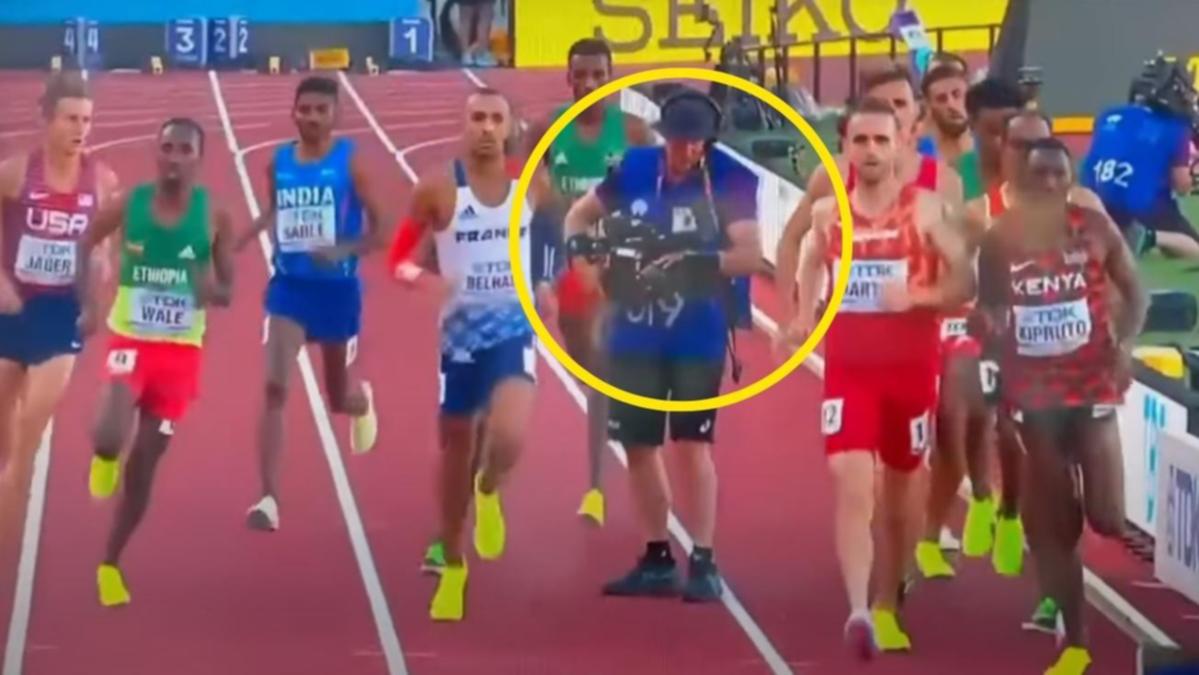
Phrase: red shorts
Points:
(888, 409)
(956, 342)
(573, 298)
(164, 376)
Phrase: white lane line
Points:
(18, 625)
(756, 635)
(388, 637)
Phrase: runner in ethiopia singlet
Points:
(41, 231)
(485, 337)
(576, 165)
(158, 328)
(880, 394)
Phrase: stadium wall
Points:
(150, 11)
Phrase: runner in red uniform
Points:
(893, 85)
(1046, 272)
(908, 264)
(47, 198)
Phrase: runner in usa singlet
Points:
(42, 228)
(1060, 349)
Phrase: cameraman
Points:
(1140, 152)
(691, 213)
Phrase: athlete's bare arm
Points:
(941, 223)
(217, 289)
(811, 267)
(264, 219)
(108, 188)
(376, 214)
(949, 185)
(792, 240)
(12, 173)
(1087, 199)
(993, 278)
(584, 214)
(432, 203)
(109, 220)
(1122, 270)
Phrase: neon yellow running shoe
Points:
(111, 586)
(931, 561)
(888, 634)
(978, 534)
(364, 430)
(592, 507)
(489, 523)
(1008, 555)
(1073, 661)
(104, 477)
(449, 602)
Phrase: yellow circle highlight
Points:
(839, 285)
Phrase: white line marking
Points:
(777, 664)
(475, 79)
(18, 625)
(388, 638)
(1105, 598)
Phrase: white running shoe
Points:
(948, 541)
(264, 516)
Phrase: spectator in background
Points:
(474, 31)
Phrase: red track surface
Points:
(209, 596)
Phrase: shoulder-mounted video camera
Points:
(1165, 86)
(641, 264)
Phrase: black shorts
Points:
(683, 380)
(1062, 424)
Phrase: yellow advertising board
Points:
(668, 31)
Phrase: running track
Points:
(336, 590)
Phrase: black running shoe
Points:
(658, 579)
(703, 581)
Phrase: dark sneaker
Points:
(703, 582)
(648, 579)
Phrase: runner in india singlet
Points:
(156, 298)
(576, 165)
(316, 208)
(483, 309)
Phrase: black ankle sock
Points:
(659, 552)
(700, 554)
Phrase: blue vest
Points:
(1132, 153)
(677, 328)
(316, 207)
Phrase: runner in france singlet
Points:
(886, 248)
(1060, 345)
(42, 228)
(156, 296)
(483, 309)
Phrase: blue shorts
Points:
(47, 327)
(467, 379)
(329, 310)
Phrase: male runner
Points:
(47, 198)
(893, 85)
(673, 343)
(945, 126)
(966, 416)
(577, 161)
(319, 188)
(1046, 271)
(487, 354)
(174, 238)
(909, 264)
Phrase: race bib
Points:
(1052, 330)
(953, 328)
(45, 262)
(162, 311)
(121, 361)
(863, 293)
(303, 229)
(988, 376)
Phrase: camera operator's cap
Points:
(689, 115)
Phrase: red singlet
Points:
(42, 228)
(881, 368)
(1059, 349)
